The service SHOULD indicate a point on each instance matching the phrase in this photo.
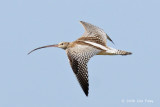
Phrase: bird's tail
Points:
(112, 51)
(120, 52)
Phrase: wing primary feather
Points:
(109, 39)
(84, 84)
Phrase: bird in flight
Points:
(92, 42)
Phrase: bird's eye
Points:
(61, 43)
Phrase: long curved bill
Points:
(43, 47)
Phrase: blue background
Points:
(45, 79)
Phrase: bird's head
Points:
(62, 45)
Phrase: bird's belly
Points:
(104, 53)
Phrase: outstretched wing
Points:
(94, 31)
(79, 56)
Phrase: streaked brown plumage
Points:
(92, 42)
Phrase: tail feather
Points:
(120, 52)
(112, 51)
